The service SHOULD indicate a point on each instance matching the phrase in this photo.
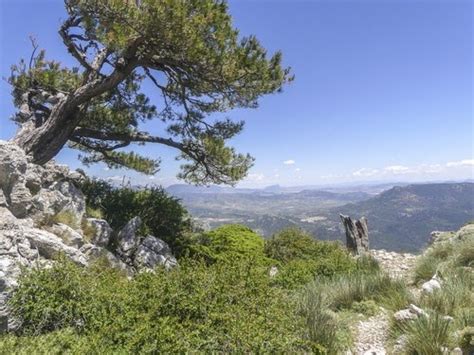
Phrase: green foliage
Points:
(302, 258)
(368, 308)
(322, 325)
(66, 217)
(188, 50)
(225, 307)
(227, 243)
(457, 292)
(162, 215)
(427, 335)
(343, 291)
(425, 268)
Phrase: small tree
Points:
(187, 49)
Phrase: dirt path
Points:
(371, 334)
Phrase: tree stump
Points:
(357, 234)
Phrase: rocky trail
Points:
(371, 334)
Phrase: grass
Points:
(427, 335)
(452, 258)
(65, 217)
(88, 230)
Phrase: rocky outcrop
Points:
(143, 253)
(42, 215)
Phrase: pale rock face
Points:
(153, 252)
(145, 254)
(103, 232)
(68, 235)
(431, 285)
(404, 315)
(127, 239)
(29, 195)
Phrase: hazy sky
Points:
(383, 89)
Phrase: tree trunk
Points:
(357, 235)
(44, 142)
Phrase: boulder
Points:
(101, 231)
(127, 239)
(431, 285)
(153, 252)
(68, 235)
(93, 252)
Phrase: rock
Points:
(456, 351)
(431, 285)
(68, 235)
(94, 252)
(404, 315)
(400, 344)
(273, 271)
(411, 313)
(357, 234)
(418, 311)
(20, 200)
(127, 239)
(50, 245)
(101, 231)
(3, 199)
(153, 252)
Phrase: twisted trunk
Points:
(44, 142)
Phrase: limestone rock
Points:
(404, 315)
(153, 252)
(101, 231)
(67, 234)
(127, 239)
(431, 285)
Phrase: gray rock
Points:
(67, 234)
(20, 200)
(431, 285)
(102, 231)
(94, 252)
(127, 239)
(3, 199)
(153, 252)
(404, 315)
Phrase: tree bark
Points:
(44, 142)
(357, 235)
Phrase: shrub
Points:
(455, 293)
(321, 324)
(224, 307)
(425, 268)
(302, 258)
(65, 217)
(427, 335)
(227, 243)
(343, 291)
(163, 216)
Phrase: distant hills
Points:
(400, 217)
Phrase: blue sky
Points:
(383, 89)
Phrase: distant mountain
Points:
(402, 218)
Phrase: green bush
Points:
(227, 243)
(303, 258)
(343, 291)
(224, 307)
(427, 335)
(162, 215)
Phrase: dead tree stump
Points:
(357, 234)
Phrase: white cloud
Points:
(466, 162)
(289, 162)
(397, 169)
(365, 172)
(297, 169)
